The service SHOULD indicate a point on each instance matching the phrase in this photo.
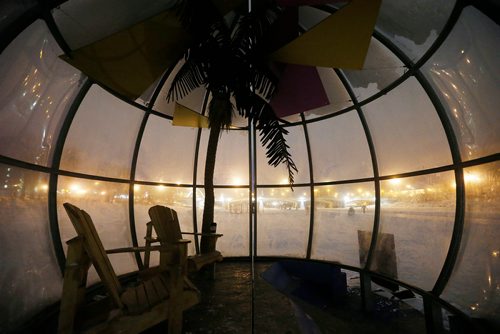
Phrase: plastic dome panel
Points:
(166, 153)
(283, 221)
(335, 228)
(36, 90)
(465, 73)
(413, 25)
(419, 213)
(231, 166)
(475, 282)
(381, 68)
(30, 279)
(106, 150)
(406, 131)
(339, 149)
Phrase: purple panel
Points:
(300, 89)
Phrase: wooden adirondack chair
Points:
(167, 228)
(163, 295)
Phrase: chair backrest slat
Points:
(93, 246)
(166, 223)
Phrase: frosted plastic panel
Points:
(35, 91)
(380, 69)
(177, 198)
(475, 283)
(167, 152)
(419, 213)
(30, 279)
(406, 131)
(107, 205)
(84, 21)
(279, 175)
(336, 227)
(335, 91)
(232, 218)
(339, 149)
(465, 73)
(413, 25)
(231, 167)
(102, 137)
(283, 220)
(13, 9)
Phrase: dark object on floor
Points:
(319, 284)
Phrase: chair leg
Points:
(74, 284)
(176, 308)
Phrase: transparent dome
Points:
(411, 143)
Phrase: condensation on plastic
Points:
(232, 166)
(336, 228)
(413, 26)
(283, 220)
(339, 149)
(167, 152)
(406, 131)
(381, 68)
(102, 137)
(465, 73)
(474, 286)
(36, 88)
(82, 22)
(107, 205)
(30, 279)
(419, 213)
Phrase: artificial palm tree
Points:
(228, 57)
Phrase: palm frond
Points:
(190, 76)
(272, 136)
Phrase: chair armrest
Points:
(145, 249)
(204, 234)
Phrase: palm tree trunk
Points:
(208, 212)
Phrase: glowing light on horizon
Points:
(395, 181)
(237, 181)
(472, 177)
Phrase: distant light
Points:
(471, 177)
(495, 253)
(395, 181)
(103, 193)
(236, 181)
(137, 187)
(5, 186)
(284, 181)
(44, 187)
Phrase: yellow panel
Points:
(340, 41)
(183, 116)
(129, 61)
